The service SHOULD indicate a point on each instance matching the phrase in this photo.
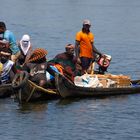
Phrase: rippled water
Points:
(53, 24)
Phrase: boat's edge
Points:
(68, 89)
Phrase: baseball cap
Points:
(86, 22)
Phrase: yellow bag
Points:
(1, 67)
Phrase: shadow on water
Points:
(45, 105)
(71, 100)
(68, 101)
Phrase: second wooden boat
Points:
(68, 89)
(28, 91)
(6, 90)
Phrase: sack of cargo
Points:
(121, 80)
(106, 83)
(87, 81)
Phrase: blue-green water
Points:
(53, 24)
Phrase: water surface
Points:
(53, 24)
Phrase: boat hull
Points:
(67, 89)
(31, 92)
(27, 91)
(6, 90)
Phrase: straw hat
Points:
(5, 51)
(37, 54)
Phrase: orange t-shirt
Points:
(85, 44)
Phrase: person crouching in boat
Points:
(25, 47)
(36, 67)
(66, 63)
(8, 70)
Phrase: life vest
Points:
(49, 76)
(59, 67)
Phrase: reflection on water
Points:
(37, 107)
(68, 101)
(104, 99)
(101, 117)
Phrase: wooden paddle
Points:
(90, 70)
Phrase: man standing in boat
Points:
(84, 46)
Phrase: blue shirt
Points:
(9, 36)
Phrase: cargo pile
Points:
(119, 80)
(104, 81)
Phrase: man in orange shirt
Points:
(84, 46)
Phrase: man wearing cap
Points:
(25, 47)
(7, 35)
(84, 46)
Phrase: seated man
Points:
(36, 66)
(66, 62)
(7, 69)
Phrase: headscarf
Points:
(37, 54)
(25, 43)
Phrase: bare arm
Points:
(12, 72)
(95, 50)
(77, 44)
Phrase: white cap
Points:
(25, 37)
(86, 22)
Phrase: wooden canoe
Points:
(67, 89)
(6, 90)
(27, 91)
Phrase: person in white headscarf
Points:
(25, 47)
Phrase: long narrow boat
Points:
(27, 91)
(6, 90)
(67, 89)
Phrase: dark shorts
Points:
(85, 62)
